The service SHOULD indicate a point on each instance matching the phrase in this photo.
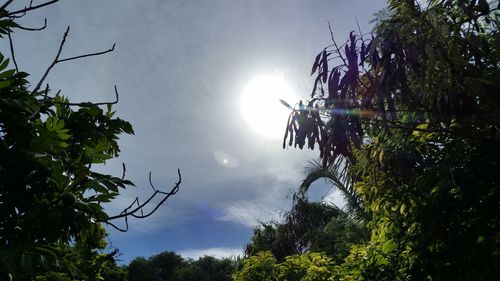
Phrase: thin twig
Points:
(124, 171)
(42, 102)
(30, 8)
(359, 29)
(335, 44)
(34, 28)
(54, 62)
(89, 55)
(84, 104)
(133, 212)
(12, 51)
(57, 60)
(6, 4)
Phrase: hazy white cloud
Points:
(221, 252)
(182, 97)
(249, 213)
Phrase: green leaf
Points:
(7, 74)
(5, 84)
(389, 246)
(4, 64)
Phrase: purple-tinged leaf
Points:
(324, 66)
(318, 80)
(333, 85)
(286, 105)
(316, 63)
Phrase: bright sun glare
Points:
(261, 106)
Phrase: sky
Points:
(182, 68)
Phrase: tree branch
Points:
(30, 8)
(335, 44)
(34, 28)
(6, 4)
(11, 45)
(83, 104)
(138, 211)
(54, 62)
(89, 55)
(57, 60)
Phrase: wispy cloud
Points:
(249, 213)
(214, 252)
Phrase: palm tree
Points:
(337, 175)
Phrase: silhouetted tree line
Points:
(169, 266)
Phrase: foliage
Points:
(315, 171)
(408, 120)
(306, 267)
(51, 199)
(171, 266)
(262, 266)
(86, 262)
(308, 227)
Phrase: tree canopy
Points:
(170, 266)
(406, 121)
(51, 198)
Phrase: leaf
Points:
(318, 80)
(285, 104)
(333, 85)
(389, 246)
(7, 74)
(5, 84)
(4, 64)
(324, 66)
(316, 63)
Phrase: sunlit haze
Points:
(261, 107)
(201, 83)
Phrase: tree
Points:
(50, 197)
(170, 266)
(408, 119)
(316, 227)
(305, 267)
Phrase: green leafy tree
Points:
(408, 120)
(50, 196)
(309, 227)
(305, 267)
(170, 266)
(214, 269)
(140, 269)
(262, 266)
(87, 261)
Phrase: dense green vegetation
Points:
(51, 199)
(170, 266)
(407, 124)
(407, 121)
(309, 227)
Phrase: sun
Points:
(261, 107)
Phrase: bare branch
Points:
(150, 183)
(335, 44)
(89, 55)
(11, 44)
(41, 102)
(30, 8)
(84, 104)
(54, 62)
(118, 228)
(359, 29)
(57, 60)
(34, 28)
(138, 211)
(6, 4)
(124, 170)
